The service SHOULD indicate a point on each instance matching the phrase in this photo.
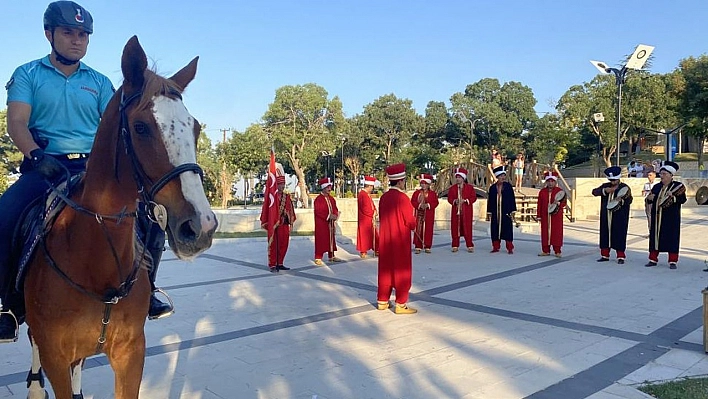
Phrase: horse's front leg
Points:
(128, 360)
(76, 368)
(35, 379)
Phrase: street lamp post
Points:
(343, 179)
(472, 123)
(327, 155)
(635, 61)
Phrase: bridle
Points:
(139, 175)
(113, 295)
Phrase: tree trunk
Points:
(225, 188)
(701, 143)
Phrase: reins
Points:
(113, 295)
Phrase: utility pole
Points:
(225, 189)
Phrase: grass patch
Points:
(689, 388)
(259, 233)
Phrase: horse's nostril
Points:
(186, 232)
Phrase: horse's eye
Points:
(141, 128)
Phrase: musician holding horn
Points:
(666, 199)
(549, 212)
(424, 201)
(461, 196)
(615, 199)
(367, 233)
(501, 207)
(326, 213)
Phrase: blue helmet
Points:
(69, 15)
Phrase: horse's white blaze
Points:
(177, 128)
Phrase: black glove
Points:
(46, 165)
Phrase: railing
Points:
(482, 176)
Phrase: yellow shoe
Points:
(319, 262)
(558, 255)
(470, 249)
(335, 259)
(454, 249)
(544, 254)
(417, 251)
(383, 305)
(427, 250)
(404, 309)
(363, 255)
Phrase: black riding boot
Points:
(9, 325)
(154, 238)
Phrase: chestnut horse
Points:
(85, 291)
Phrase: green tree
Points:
(248, 153)
(389, 123)
(576, 109)
(503, 113)
(548, 142)
(207, 159)
(694, 99)
(10, 156)
(302, 122)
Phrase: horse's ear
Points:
(133, 64)
(186, 74)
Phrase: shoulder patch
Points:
(9, 83)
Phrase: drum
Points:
(554, 207)
(615, 203)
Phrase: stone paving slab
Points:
(489, 325)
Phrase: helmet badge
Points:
(78, 17)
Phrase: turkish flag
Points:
(270, 194)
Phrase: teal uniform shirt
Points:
(65, 110)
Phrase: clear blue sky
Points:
(422, 50)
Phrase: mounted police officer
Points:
(54, 105)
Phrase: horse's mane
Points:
(156, 85)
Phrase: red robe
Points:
(551, 225)
(425, 218)
(325, 205)
(367, 236)
(461, 221)
(278, 245)
(395, 259)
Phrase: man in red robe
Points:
(424, 202)
(395, 259)
(461, 196)
(278, 243)
(367, 234)
(551, 217)
(326, 213)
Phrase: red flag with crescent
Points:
(271, 192)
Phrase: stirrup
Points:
(166, 314)
(17, 326)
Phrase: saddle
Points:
(36, 221)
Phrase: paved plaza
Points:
(490, 326)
